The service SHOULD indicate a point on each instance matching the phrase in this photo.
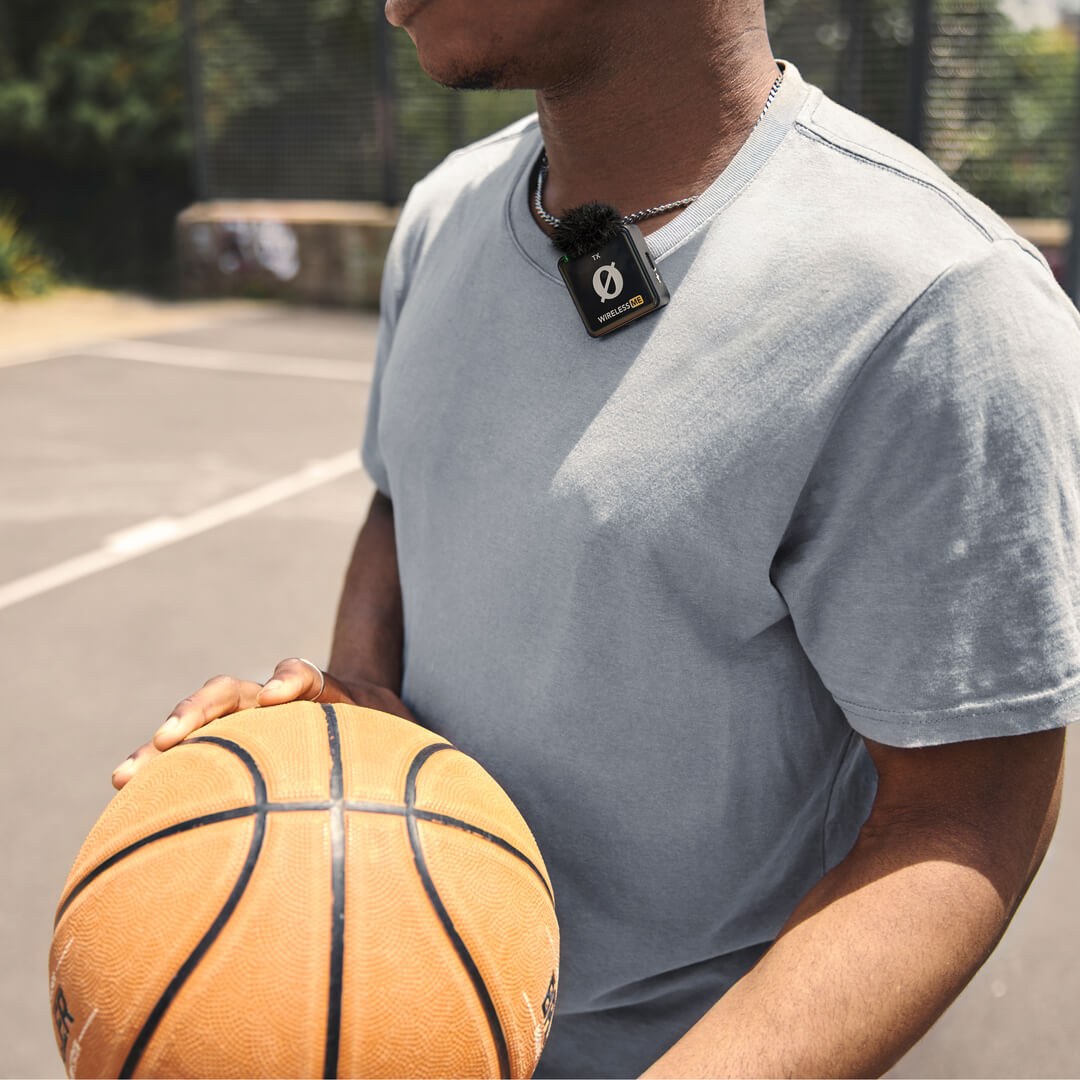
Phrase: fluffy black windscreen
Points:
(586, 228)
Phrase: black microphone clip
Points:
(608, 269)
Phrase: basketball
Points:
(306, 890)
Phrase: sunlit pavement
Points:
(178, 498)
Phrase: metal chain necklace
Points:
(554, 222)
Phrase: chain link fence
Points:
(325, 101)
(320, 101)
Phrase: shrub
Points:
(23, 270)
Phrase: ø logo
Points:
(607, 282)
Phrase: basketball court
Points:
(178, 498)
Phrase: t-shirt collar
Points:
(751, 158)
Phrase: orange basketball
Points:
(306, 890)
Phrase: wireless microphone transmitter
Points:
(616, 284)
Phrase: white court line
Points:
(160, 532)
(156, 352)
(33, 354)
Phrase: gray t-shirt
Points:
(659, 583)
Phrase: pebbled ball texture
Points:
(306, 890)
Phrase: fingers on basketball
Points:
(347, 895)
(219, 696)
(293, 680)
(131, 764)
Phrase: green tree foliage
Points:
(24, 271)
(1001, 101)
(298, 84)
(94, 80)
(95, 143)
(285, 93)
(93, 133)
(855, 50)
(1002, 106)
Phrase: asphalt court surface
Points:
(183, 503)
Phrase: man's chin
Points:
(473, 80)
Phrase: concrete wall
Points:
(332, 252)
(310, 252)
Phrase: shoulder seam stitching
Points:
(848, 152)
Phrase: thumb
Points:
(294, 679)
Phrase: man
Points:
(763, 608)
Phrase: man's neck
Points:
(656, 122)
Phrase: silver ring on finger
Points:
(322, 677)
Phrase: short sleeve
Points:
(932, 566)
(392, 295)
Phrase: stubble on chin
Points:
(493, 78)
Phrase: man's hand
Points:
(366, 652)
(293, 680)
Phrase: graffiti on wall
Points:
(249, 247)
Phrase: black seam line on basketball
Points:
(180, 826)
(337, 877)
(351, 806)
(460, 947)
(243, 755)
(498, 841)
(147, 1031)
(161, 834)
(358, 806)
(300, 804)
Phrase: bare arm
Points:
(880, 947)
(369, 632)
